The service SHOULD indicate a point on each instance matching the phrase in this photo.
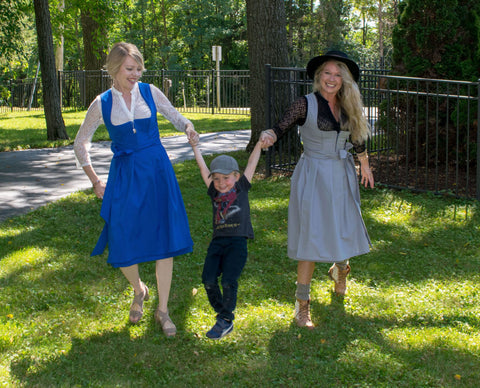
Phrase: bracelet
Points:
(271, 133)
(363, 157)
(98, 181)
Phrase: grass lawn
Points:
(23, 130)
(411, 317)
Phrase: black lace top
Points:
(296, 114)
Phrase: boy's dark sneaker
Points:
(220, 329)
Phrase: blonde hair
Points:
(350, 101)
(117, 55)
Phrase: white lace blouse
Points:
(120, 115)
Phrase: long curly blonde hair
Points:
(350, 101)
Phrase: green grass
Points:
(24, 130)
(411, 317)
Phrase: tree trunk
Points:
(380, 32)
(60, 47)
(51, 96)
(267, 44)
(93, 52)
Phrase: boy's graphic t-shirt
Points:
(231, 211)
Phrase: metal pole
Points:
(208, 90)
(217, 60)
(60, 86)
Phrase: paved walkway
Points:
(32, 178)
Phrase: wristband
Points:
(363, 157)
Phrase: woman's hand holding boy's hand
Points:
(194, 140)
(268, 137)
(262, 143)
(192, 135)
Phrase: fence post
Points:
(268, 119)
(11, 94)
(478, 140)
(213, 93)
(60, 86)
(162, 82)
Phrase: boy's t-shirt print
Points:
(231, 211)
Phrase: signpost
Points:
(217, 57)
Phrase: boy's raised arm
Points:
(204, 171)
(253, 161)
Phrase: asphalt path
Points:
(32, 178)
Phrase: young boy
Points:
(227, 252)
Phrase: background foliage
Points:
(438, 39)
(176, 34)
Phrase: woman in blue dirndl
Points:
(145, 218)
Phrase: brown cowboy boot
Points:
(302, 314)
(339, 276)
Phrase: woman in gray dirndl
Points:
(325, 222)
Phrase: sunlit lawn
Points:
(23, 130)
(411, 317)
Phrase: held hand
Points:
(263, 144)
(99, 189)
(367, 176)
(194, 141)
(268, 138)
(192, 135)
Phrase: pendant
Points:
(134, 130)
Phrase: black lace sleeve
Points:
(296, 114)
(359, 147)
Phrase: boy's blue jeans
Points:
(226, 256)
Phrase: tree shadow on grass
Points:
(59, 287)
(116, 358)
(443, 250)
(346, 350)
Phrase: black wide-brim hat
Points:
(335, 55)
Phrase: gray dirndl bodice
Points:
(324, 218)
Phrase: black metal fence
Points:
(196, 91)
(425, 132)
(18, 95)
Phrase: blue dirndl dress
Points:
(143, 209)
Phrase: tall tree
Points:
(59, 51)
(267, 44)
(11, 24)
(300, 28)
(436, 39)
(201, 24)
(51, 94)
(94, 29)
(332, 16)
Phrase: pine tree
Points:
(438, 39)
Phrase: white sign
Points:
(216, 53)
